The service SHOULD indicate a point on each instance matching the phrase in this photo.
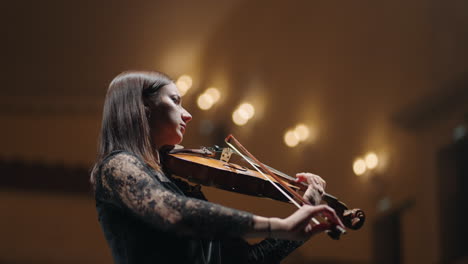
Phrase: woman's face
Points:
(168, 119)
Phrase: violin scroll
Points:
(351, 218)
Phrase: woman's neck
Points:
(163, 149)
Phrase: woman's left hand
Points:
(316, 187)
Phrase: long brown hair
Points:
(125, 116)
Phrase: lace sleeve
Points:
(267, 251)
(271, 250)
(131, 185)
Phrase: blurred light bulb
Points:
(214, 93)
(186, 79)
(244, 114)
(359, 167)
(371, 160)
(184, 83)
(205, 101)
(291, 139)
(302, 132)
(248, 108)
(238, 118)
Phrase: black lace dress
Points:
(149, 217)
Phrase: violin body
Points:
(208, 171)
(202, 168)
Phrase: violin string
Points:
(267, 178)
(252, 163)
(264, 167)
(282, 174)
(277, 172)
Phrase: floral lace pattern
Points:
(127, 181)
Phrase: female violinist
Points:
(148, 216)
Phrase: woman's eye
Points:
(176, 100)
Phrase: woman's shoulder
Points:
(119, 158)
(118, 168)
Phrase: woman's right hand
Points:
(299, 225)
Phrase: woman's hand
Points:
(316, 187)
(299, 225)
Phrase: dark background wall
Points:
(388, 77)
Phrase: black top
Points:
(150, 217)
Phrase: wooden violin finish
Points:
(201, 167)
(222, 175)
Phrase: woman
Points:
(150, 217)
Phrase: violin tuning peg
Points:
(354, 218)
(334, 234)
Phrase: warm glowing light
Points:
(184, 83)
(248, 108)
(244, 114)
(214, 93)
(302, 132)
(359, 167)
(238, 118)
(371, 160)
(291, 139)
(205, 101)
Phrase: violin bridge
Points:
(226, 154)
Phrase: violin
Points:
(212, 167)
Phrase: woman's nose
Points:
(186, 116)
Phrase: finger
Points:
(318, 229)
(318, 177)
(303, 225)
(316, 186)
(303, 215)
(332, 217)
(319, 180)
(319, 185)
(328, 212)
(312, 192)
(324, 183)
(313, 195)
(300, 178)
(320, 190)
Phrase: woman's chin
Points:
(178, 140)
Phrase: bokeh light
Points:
(302, 132)
(184, 83)
(238, 118)
(214, 93)
(359, 167)
(205, 101)
(243, 114)
(290, 139)
(248, 108)
(371, 160)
